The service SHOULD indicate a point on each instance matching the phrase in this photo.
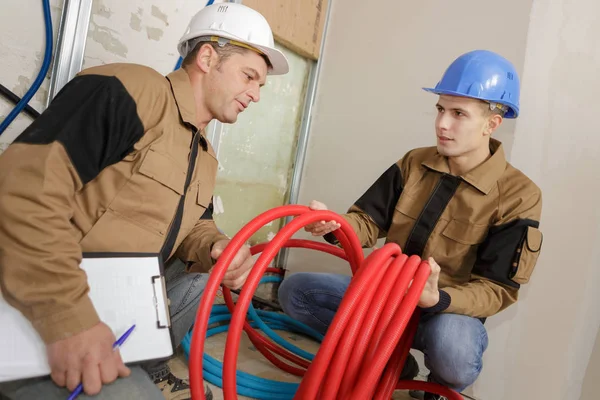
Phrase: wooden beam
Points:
(297, 24)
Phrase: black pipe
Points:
(16, 99)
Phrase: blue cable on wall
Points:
(40, 78)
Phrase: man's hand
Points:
(431, 294)
(240, 266)
(320, 228)
(87, 358)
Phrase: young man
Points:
(119, 163)
(460, 206)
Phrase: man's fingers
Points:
(233, 274)
(235, 279)
(216, 252)
(73, 376)
(317, 205)
(311, 227)
(239, 281)
(59, 377)
(242, 257)
(122, 369)
(91, 378)
(435, 268)
(325, 228)
(108, 371)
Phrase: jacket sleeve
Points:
(371, 215)
(196, 247)
(90, 125)
(505, 260)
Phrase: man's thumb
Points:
(317, 205)
(216, 252)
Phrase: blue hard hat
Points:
(484, 75)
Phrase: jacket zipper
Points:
(176, 222)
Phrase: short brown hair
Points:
(224, 53)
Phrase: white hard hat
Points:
(237, 23)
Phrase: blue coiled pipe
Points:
(40, 78)
(247, 384)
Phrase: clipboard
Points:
(125, 288)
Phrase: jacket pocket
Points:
(456, 247)
(160, 168)
(151, 196)
(114, 232)
(465, 232)
(527, 255)
(405, 216)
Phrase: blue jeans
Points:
(452, 344)
(184, 291)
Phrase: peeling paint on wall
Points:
(156, 12)
(154, 33)
(138, 31)
(98, 8)
(107, 38)
(24, 83)
(135, 22)
(41, 95)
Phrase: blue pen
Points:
(116, 345)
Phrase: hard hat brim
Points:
(279, 62)
(512, 112)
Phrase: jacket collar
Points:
(483, 177)
(184, 96)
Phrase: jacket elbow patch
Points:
(527, 255)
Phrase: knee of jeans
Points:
(454, 350)
(289, 294)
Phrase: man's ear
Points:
(494, 122)
(206, 58)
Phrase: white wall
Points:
(370, 110)
(591, 386)
(547, 339)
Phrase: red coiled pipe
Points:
(365, 347)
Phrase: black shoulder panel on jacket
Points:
(94, 118)
(380, 199)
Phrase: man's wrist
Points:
(442, 303)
